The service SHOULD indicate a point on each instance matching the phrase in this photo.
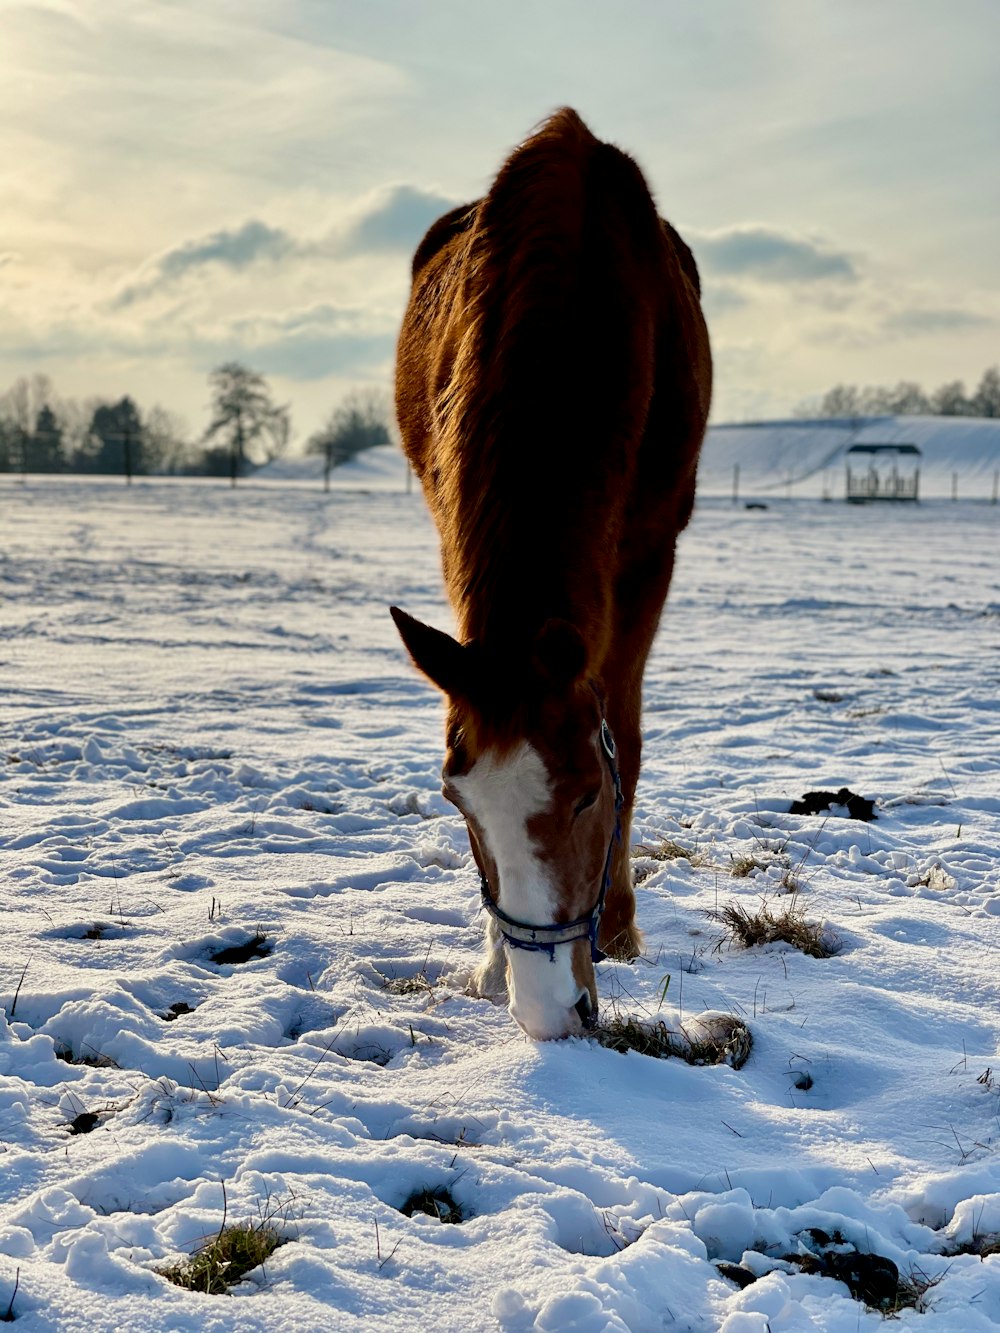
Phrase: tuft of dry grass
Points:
(984, 1246)
(668, 850)
(740, 867)
(417, 983)
(226, 1259)
(790, 882)
(697, 1044)
(764, 926)
(911, 1292)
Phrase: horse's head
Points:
(530, 763)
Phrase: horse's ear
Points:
(559, 654)
(440, 657)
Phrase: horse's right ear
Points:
(441, 658)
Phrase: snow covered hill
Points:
(383, 468)
(805, 459)
(800, 459)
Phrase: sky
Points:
(186, 183)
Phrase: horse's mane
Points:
(540, 419)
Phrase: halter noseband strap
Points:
(543, 939)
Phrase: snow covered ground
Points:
(210, 736)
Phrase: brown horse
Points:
(553, 384)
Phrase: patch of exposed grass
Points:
(95, 1060)
(743, 1277)
(257, 947)
(668, 850)
(790, 882)
(870, 1278)
(740, 867)
(226, 1259)
(84, 1122)
(696, 1044)
(100, 930)
(434, 1203)
(911, 1292)
(984, 1246)
(417, 983)
(764, 926)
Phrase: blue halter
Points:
(543, 939)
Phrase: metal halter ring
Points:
(608, 741)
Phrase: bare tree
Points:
(19, 408)
(843, 400)
(907, 399)
(362, 421)
(950, 400)
(245, 416)
(986, 399)
(166, 441)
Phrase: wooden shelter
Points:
(883, 472)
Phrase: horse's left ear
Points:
(559, 654)
(440, 657)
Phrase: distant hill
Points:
(806, 458)
(379, 469)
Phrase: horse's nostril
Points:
(587, 1012)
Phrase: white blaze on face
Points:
(502, 793)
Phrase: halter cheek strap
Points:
(544, 939)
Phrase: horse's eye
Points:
(586, 803)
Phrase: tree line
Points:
(40, 431)
(907, 398)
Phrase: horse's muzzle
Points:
(587, 1010)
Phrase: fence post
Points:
(736, 483)
(954, 485)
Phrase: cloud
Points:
(303, 343)
(314, 342)
(719, 298)
(768, 255)
(313, 356)
(396, 220)
(913, 323)
(233, 249)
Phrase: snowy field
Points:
(211, 736)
